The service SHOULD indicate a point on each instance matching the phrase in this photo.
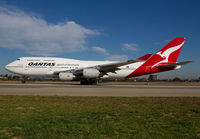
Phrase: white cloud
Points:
(19, 30)
(100, 50)
(117, 58)
(130, 47)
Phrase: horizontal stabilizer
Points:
(174, 65)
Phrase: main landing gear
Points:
(24, 78)
(88, 81)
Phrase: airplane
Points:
(89, 72)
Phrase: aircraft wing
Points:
(114, 66)
(105, 68)
(174, 65)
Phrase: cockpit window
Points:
(18, 59)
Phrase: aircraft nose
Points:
(7, 67)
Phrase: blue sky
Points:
(99, 30)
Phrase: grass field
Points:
(98, 117)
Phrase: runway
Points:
(99, 90)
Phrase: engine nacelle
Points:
(91, 73)
(67, 76)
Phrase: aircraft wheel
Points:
(83, 82)
(23, 80)
(93, 82)
(88, 82)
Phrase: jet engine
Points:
(91, 73)
(67, 76)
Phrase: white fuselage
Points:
(48, 66)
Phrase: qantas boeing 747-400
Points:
(88, 72)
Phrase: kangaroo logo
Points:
(167, 53)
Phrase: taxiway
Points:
(99, 90)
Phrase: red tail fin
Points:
(168, 54)
(145, 57)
